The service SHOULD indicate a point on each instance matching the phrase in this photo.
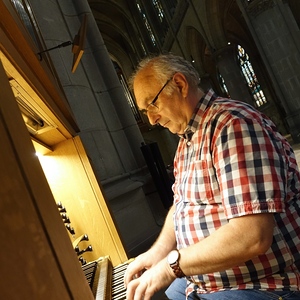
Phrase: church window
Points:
(159, 9)
(223, 85)
(130, 100)
(250, 77)
(142, 46)
(127, 93)
(147, 25)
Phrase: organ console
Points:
(46, 268)
(106, 281)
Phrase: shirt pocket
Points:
(201, 184)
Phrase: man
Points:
(233, 230)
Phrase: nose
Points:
(152, 117)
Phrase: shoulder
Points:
(226, 110)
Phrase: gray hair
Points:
(164, 66)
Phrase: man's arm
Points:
(236, 242)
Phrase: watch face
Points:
(173, 257)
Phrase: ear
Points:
(182, 83)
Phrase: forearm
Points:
(229, 246)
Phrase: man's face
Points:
(172, 110)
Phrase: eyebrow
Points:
(147, 101)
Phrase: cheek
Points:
(175, 115)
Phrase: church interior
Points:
(86, 178)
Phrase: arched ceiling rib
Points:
(221, 21)
(214, 13)
(220, 18)
(114, 22)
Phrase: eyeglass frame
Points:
(152, 103)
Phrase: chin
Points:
(173, 131)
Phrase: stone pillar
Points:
(108, 129)
(276, 34)
(228, 66)
(107, 126)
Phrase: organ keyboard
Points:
(106, 281)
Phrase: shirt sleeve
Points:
(250, 167)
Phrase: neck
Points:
(195, 97)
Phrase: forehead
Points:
(145, 86)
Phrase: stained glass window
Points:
(130, 101)
(159, 10)
(142, 46)
(145, 20)
(250, 76)
(127, 93)
(223, 85)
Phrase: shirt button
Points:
(188, 144)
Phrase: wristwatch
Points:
(173, 260)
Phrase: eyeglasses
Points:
(151, 107)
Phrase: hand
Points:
(141, 263)
(150, 282)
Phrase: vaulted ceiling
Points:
(208, 25)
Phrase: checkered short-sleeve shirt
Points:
(235, 163)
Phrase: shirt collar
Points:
(193, 124)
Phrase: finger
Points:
(129, 276)
(140, 292)
(132, 273)
(143, 292)
(130, 291)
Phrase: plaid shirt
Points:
(233, 162)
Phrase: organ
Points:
(106, 282)
(37, 256)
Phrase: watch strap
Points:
(176, 268)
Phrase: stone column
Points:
(108, 129)
(228, 66)
(276, 34)
(107, 126)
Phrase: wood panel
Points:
(37, 260)
(26, 68)
(73, 183)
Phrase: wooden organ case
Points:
(37, 258)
